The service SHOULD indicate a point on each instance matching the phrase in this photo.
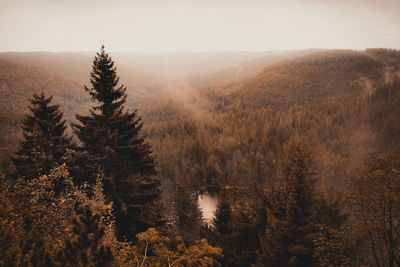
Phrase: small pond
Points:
(208, 204)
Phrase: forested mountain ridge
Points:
(238, 130)
(75, 67)
(18, 81)
(235, 136)
(319, 97)
(321, 74)
(282, 147)
(183, 64)
(64, 74)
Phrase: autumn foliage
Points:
(304, 157)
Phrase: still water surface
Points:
(208, 204)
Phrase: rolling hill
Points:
(337, 102)
(232, 125)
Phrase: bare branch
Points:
(175, 261)
(145, 254)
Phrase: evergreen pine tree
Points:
(291, 219)
(237, 226)
(243, 243)
(298, 217)
(44, 140)
(110, 137)
(137, 204)
(223, 214)
(189, 216)
(222, 225)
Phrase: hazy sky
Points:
(197, 25)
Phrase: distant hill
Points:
(215, 118)
(178, 65)
(18, 82)
(343, 104)
(307, 78)
(64, 74)
(76, 67)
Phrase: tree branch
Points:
(145, 254)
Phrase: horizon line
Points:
(192, 51)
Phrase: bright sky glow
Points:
(197, 25)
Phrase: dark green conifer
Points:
(298, 217)
(223, 214)
(189, 219)
(110, 137)
(137, 204)
(291, 214)
(44, 140)
(237, 225)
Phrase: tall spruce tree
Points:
(291, 216)
(110, 137)
(297, 214)
(189, 219)
(45, 141)
(236, 227)
(223, 214)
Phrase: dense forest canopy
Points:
(300, 147)
(324, 98)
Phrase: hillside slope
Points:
(76, 67)
(332, 101)
(217, 128)
(313, 77)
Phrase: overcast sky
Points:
(197, 25)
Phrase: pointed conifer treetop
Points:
(45, 141)
(110, 132)
(111, 141)
(104, 82)
(45, 118)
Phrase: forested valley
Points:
(103, 162)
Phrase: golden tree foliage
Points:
(154, 249)
(37, 221)
(375, 201)
(40, 227)
(217, 134)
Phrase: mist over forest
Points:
(282, 158)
